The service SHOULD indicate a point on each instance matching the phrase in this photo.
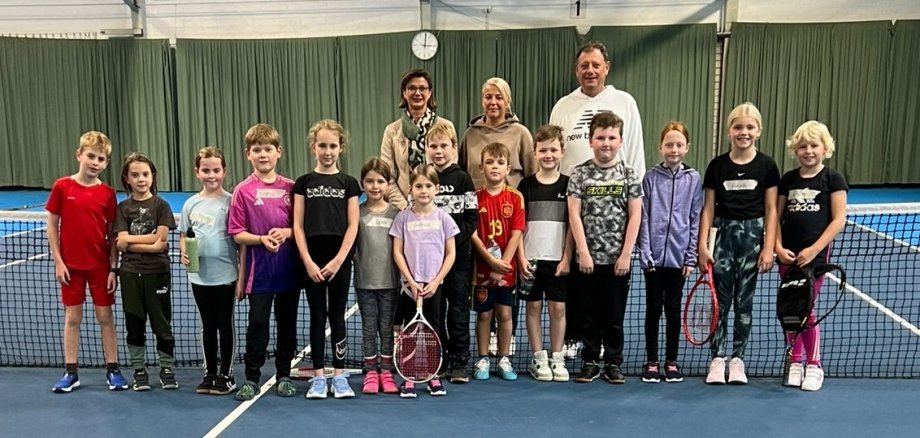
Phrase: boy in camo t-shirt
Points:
(605, 207)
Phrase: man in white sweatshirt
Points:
(574, 112)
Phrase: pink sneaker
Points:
(371, 383)
(388, 383)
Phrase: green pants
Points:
(146, 296)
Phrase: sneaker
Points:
(814, 378)
(458, 375)
(116, 381)
(736, 374)
(67, 383)
(672, 373)
(505, 370)
(285, 388)
(589, 372)
(247, 392)
(794, 375)
(206, 384)
(557, 365)
(572, 349)
(493, 344)
(482, 369)
(407, 390)
(317, 389)
(141, 380)
(168, 379)
(341, 388)
(223, 385)
(613, 374)
(371, 383)
(650, 373)
(388, 383)
(716, 374)
(435, 388)
(539, 367)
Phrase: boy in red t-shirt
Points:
(501, 224)
(81, 212)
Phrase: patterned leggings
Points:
(738, 245)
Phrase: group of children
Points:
(274, 236)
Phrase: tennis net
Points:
(873, 332)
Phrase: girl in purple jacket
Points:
(668, 245)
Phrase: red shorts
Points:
(74, 294)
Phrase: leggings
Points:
(738, 245)
(215, 307)
(809, 341)
(327, 299)
(377, 310)
(664, 287)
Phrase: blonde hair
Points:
(442, 130)
(262, 133)
(746, 109)
(329, 125)
(97, 141)
(503, 88)
(811, 131)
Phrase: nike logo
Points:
(740, 173)
(341, 348)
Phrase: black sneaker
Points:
(223, 385)
(588, 373)
(613, 374)
(206, 384)
(672, 372)
(650, 373)
(168, 378)
(141, 380)
(459, 375)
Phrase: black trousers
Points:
(456, 316)
(327, 300)
(664, 287)
(603, 309)
(260, 306)
(215, 307)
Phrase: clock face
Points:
(424, 45)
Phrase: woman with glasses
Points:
(403, 145)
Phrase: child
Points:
(604, 197)
(740, 201)
(457, 197)
(143, 222)
(667, 245)
(215, 285)
(424, 250)
(548, 241)
(501, 223)
(326, 219)
(376, 280)
(260, 221)
(812, 211)
(82, 248)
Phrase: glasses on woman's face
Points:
(412, 89)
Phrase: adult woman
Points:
(403, 145)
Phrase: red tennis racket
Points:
(701, 311)
(417, 352)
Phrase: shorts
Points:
(546, 283)
(74, 294)
(485, 298)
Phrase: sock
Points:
(370, 363)
(71, 368)
(386, 363)
(111, 366)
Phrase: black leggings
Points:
(215, 306)
(327, 299)
(664, 287)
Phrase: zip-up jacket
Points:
(670, 229)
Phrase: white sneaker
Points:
(493, 344)
(794, 375)
(716, 374)
(539, 367)
(736, 374)
(557, 364)
(814, 378)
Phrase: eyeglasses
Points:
(414, 89)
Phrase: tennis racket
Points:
(701, 311)
(417, 351)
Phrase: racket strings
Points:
(418, 353)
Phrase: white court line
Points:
(881, 308)
(886, 236)
(16, 262)
(24, 232)
(244, 406)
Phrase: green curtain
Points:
(670, 72)
(52, 91)
(226, 86)
(834, 73)
(903, 128)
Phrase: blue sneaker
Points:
(340, 387)
(117, 382)
(317, 389)
(482, 369)
(68, 383)
(505, 370)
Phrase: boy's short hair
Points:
(503, 88)
(443, 130)
(329, 125)
(410, 75)
(746, 109)
(262, 133)
(497, 150)
(376, 165)
(97, 141)
(548, 133)
(605, 119)
(811, 131)
(675, 125)
(210, 152)
(426, 171)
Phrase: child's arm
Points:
(645, 251)
(769, 223)
(624, 261)
(706, 218)
(313, 270)
(563, 267)
(450, 254)
(403, 267)
(585, 262)
(838, 221)
(159, 243)
(497, 265)
(784, 255)
(241, 274)
(183, 257)
(112, 282)
(354, 215)
(523, 263)
(691, 257)
(61, 273)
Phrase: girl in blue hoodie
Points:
(668, 238)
